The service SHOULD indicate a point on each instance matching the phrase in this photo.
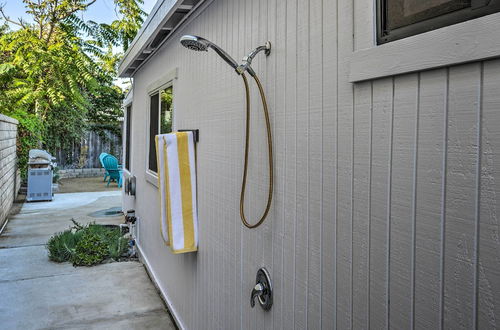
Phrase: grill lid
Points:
(37, 153)
(40, 157)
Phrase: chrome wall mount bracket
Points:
(267, 51)
(262, 290)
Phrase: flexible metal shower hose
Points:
(247, 147)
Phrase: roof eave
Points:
(166, 16)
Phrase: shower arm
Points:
(247, 60)
(225, 56)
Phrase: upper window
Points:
(160, 120)
(399, 19)
(128, 124)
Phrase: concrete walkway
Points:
(36, 293)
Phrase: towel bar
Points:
(196, 133)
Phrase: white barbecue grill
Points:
(40, 174)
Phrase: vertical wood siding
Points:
(385, 205)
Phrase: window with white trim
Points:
(160, 119)
(397, 19)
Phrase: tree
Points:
(56, 74)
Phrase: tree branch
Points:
(7, 18)
(74, 10)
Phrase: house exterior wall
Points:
(10, 181)
(385, 205)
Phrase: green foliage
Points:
(117, 248)
(87, 245)
(29, 136)
(61, 246)
(166, 97)
(56, 175)
(104, 113)
(129, 25)
(90, 250)
(56, 75)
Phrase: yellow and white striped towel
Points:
(177, 184)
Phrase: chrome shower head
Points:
(201, 44)
(195, 43)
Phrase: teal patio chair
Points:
(110, 163)
(101, 158)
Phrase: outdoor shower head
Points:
(201, 44)
(195, 43)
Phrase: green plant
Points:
(29, 136)
(62, 246)
(117, 248)
(90, 250)
(105, 232)
(57, 176)
(87, 245)
(117, 245)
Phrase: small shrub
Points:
(90, 250)
(104, 232)
(87, 245)
(62, 246)
(117, 248)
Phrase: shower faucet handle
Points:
(262, 290)
(257, 291)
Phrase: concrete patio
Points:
(39, 294)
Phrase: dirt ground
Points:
(85, 185)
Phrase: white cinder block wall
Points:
(9, 176)
(386, 193)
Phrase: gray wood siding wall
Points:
(385, 206)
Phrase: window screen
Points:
(127, 136)
(402, 18)
(153, 130)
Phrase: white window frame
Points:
(474, 40)
(166, 81)
(129, 100)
